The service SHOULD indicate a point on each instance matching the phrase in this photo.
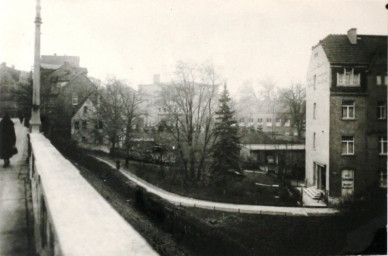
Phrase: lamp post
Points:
(35, 123)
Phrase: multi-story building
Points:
(152, 108)
(269, 117)
(63, 88)
(346, 111)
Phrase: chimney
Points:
(352, 35)
(156, 79)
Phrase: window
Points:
(314, 110)
(160, 110)
(84, 125)
(85, 110)
(348, 109)
(347, 145)
(314, 140)
(278, 122)
(378, 80)
(386, 80)
(383, 178)
(348, 78)
(269, 122)
(382, 110)
(260, 120)
(74, 100)
(76, 125)
(287, 123)
(383, 145)
(84, 139)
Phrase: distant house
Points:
(9, 82)
(277, 157)
(152, 111)
(62, 90)
(346, 115)
(55, 61)
(86, 126)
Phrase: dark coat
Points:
(7, 138)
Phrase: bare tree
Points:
(294, 100)
(130, 111)
(191, 102)
(110, 110)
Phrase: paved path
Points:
(251, 209)
(14, 217)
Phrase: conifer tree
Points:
(226, 150)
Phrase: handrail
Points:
(71, 218)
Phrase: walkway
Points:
(250, 209)
(15, 225)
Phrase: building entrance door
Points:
(320, 176)
(347, 184)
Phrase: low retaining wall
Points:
(179, 222)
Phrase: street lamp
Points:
(35, 123)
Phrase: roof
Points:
(339, 50)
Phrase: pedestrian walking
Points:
(7, 139)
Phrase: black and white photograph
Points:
(193, 128)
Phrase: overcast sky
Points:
(246, 40)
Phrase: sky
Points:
(247, 41)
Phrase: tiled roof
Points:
(339, 50)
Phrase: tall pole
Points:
(35, 123)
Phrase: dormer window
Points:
(348, 78)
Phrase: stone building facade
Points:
(86, 127)
(346, 126)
